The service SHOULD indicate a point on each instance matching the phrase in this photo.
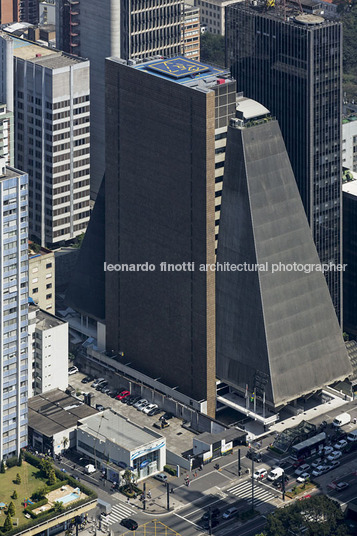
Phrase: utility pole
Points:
(239, 466)
(168, 496)
(144, 498)
(252, 480)
(283, 485)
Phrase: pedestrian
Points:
(127, 500)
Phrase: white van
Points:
(352, 436)
(275, 473)
(341, 420)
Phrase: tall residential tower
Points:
(13, 310)
(291, 63)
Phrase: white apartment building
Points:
(48, 346)
(52, 121)
(13, 310)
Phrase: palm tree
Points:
(65, 442)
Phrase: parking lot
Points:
(178, 439)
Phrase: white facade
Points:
(52, 121)
(47, 12)
(13, 310)
(113, 442)
(349, 144)
(213, 14)
(48, 338)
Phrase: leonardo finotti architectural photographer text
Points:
(225, 267)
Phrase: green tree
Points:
(129, 478)
(11, 509)
(39, 494)
(65, 442)
(8, 523)
(213, 49)
(14, 495)
(2, 467)
(18, 479)
(58, 506)
(46, 467)
(52, 477)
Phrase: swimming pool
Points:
(70, 497)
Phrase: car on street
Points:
(303, 477)
(302, 469)
(317, 462)
(335, 454)
(214, 513)
(149, 407)
(327, 450)
(256, 456)
(341, 485)
(259, 474)
(214, 523)
(278, 482)
(140, 402)
(72, 370)
(334, 463)
(231, 512)
(122, 395)
(154, 411)
(320, 470)
(161, 476)
(341, 444)
(87, 379)
(299, 462)
(129, 523)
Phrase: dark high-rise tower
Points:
(291, 63)
(162, 118)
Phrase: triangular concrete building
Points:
(278, 326)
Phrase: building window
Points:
(35, 290)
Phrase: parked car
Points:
(105, 390)
(256, 456)
(99, 407)
(102, 385)
(341, 444)
(231, 512)
(149, 407)
(88, 379)
(214, 513)
(303, 477)
(133, 400)
(161, 476)
(161, 424)
(327, 450)
(97, 382)
(129, 523)
(302, 469)
(140, 402)
(341, 485)
(122, 395)
(259, 474)
(72, 370)
(154, 411)
(335, 454)
(142, 405)
(299, 462)
(166, 416)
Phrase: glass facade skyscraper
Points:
(13, 310)
(292, 65)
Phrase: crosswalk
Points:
(244, 491)
(119, 512)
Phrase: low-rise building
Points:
(349, 142)
(42, 277)
(53, 419)
(48, 351)
(213, 14)
(114, 442)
